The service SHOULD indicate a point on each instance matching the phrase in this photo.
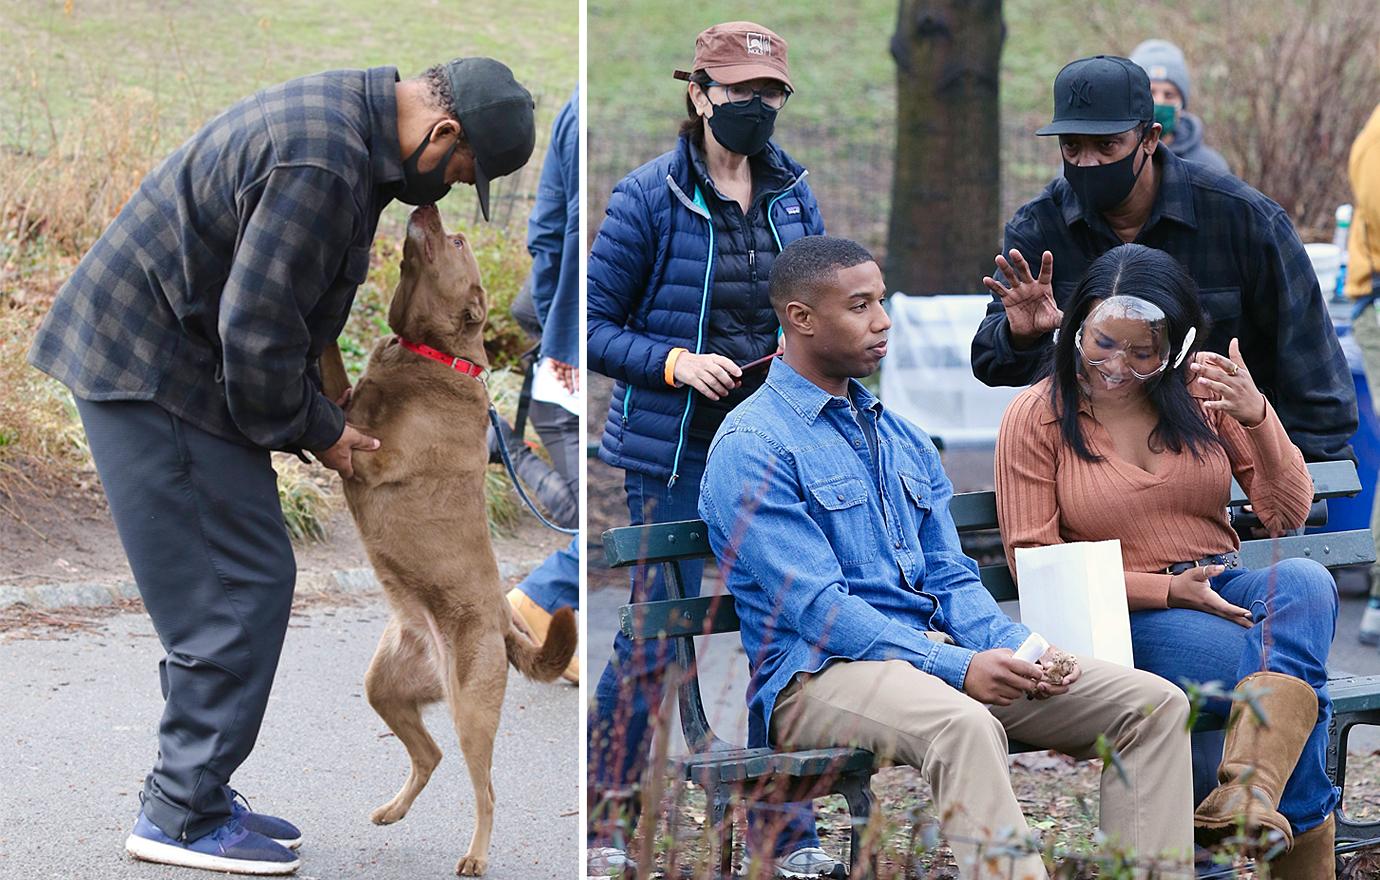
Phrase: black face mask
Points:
(1101, 188)
(743, 130)
(425, 187)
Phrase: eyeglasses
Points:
(1143, 362)
(740, 95)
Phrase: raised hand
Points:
(1029, 301)
(1231, 382)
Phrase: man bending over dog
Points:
(864, 622)
(189, 335)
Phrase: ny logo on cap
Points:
(758, 44)
(1080, 92)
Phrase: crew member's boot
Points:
(1258, 759)
(538, 620)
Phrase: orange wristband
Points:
(670, 373)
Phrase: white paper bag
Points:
(1075, 596)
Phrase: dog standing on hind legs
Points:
(418, 501)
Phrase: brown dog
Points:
(419, 505)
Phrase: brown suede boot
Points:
(1258, 759)
(1312, 857)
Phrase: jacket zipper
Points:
(699, 337)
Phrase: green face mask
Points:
(1167, 115)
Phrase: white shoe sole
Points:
(165, 854)
(290, 844)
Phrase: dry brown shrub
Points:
(54, 202)
(1284, 87)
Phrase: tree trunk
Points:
(946, 193)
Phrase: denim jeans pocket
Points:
(842, 514)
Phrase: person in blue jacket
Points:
(677, 305)
(553, 238)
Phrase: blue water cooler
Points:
(1354, 513)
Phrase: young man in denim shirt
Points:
(864, 622)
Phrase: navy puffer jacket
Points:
(651, 272)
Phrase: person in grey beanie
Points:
(1170, 85)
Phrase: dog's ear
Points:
(476, 309)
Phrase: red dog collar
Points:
(459, 364)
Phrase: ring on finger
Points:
(1234, 368)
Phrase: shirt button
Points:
(898, 545)
(840, 496)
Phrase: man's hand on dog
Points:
(338, 457)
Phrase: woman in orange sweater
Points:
(1130, 439)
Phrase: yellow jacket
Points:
(1363, 245)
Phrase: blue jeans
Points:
(1294, 604)
(631, 689)
(556, 582)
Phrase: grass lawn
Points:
(839, 54)
(197, 57)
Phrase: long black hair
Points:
(1157, 278)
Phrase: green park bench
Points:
(725, 770)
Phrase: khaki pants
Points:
(960, 746)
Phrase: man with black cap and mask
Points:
(189, 334)
(1254, 278)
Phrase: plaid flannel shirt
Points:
(1254, 279)
(235, 263)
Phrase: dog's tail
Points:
(550, 660)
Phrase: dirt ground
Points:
(62, 533)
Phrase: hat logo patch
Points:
(758, 44)
(1080, 93)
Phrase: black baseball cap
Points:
(496, 113)
(1104, 94)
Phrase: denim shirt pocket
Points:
(843, 516)
(918, 493)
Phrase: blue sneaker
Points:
(280, 831)
(230, 848)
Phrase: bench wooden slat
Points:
(1332, 549)
(748, 765)
(672, 618)
(660, 542)
(1357, 693)
(972, 511)
(977, 511)
(715, 614)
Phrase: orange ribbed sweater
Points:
(1046, 494)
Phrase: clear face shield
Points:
(1126, 339)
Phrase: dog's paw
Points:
(388, 813)
(471, 866)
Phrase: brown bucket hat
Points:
(737, 51)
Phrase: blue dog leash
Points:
(512, 475)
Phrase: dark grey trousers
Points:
(200, 522)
